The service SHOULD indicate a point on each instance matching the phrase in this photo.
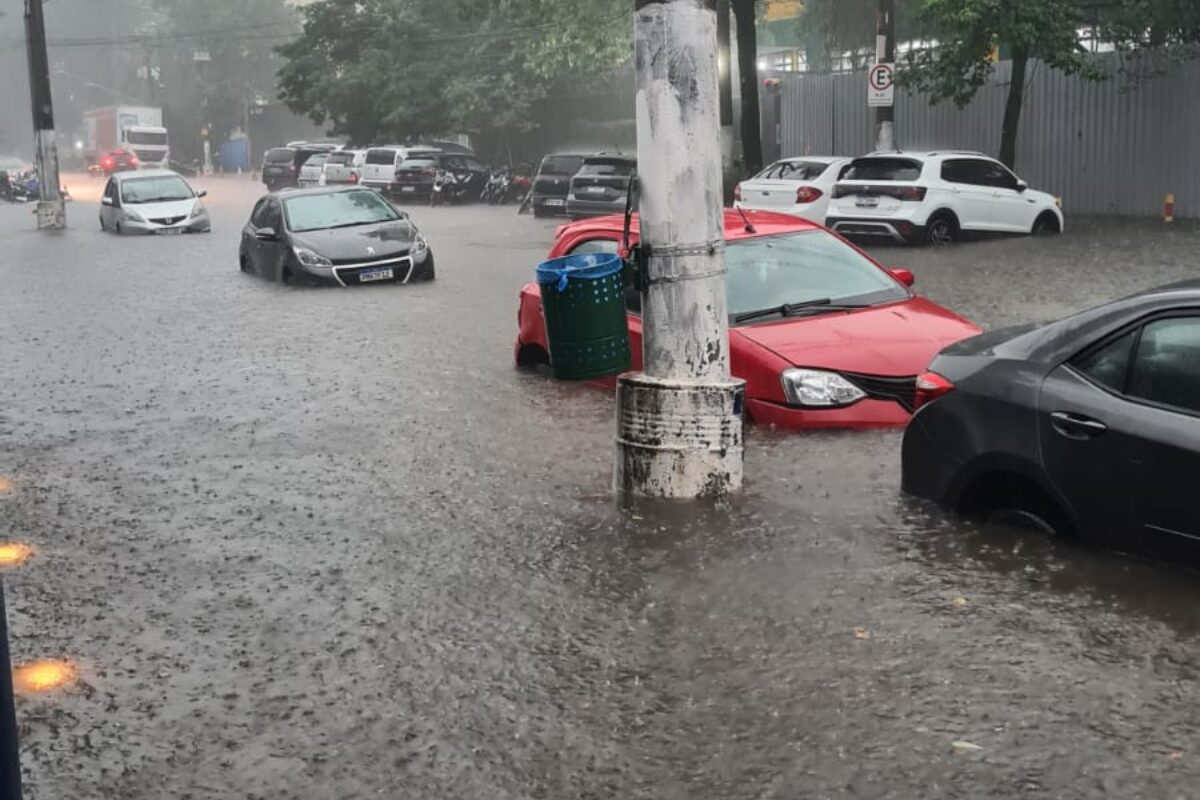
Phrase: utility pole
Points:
(725, 77)
(679, 422)
(10, 753)
(51, 211)
(885, 53)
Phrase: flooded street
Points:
(331, 544)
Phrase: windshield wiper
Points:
(361, 222)
(790, 309)
(157, 200)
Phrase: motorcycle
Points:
(519, 186)
(447, 188)
(25, 188)
(495, 187)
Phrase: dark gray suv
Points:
(600, 186)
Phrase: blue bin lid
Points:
(581, 266)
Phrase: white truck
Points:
(137, 129)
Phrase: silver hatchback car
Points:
(152, 201)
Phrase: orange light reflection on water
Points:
(42, 676)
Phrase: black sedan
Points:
(334, 236)
(1090, 425)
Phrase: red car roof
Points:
(765, 223)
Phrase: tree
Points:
(404, 69)
(745, 14)
(832, 28)
(967, 32)
(215, 60)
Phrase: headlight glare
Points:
(819, 389)
(310, 259)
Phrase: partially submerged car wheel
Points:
(1046, 225)
(941, 230)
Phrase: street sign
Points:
(881, 86)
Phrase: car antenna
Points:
(630, 201)
(749, 226)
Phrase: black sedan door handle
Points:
(1075, 426)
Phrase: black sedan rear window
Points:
(607, 167)
(561, 165)
(280, 155)
(882, 169)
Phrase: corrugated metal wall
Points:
(1114, 147)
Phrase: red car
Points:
(119, 161)
(822, 334)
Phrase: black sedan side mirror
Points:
(266, 235)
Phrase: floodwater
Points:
(330, 544)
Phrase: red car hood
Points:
(894, 340)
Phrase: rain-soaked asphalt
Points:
(329, 544)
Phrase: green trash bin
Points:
(583, 300)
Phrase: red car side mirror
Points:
(905, 276)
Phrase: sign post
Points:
(881, 86)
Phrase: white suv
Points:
(935, 197)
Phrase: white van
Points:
(379, 165)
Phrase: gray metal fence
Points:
(1115, 147)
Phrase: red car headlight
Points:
(815, 388)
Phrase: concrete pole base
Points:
(51, 215)
(678, 439)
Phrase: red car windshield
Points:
(810, 266)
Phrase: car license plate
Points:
(867, 201)
(376, 275)
(554, 201)
(595, 190)
(170, 231)
(408, 188)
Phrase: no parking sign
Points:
(881, 86)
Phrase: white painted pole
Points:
(51, 208)
(679, 424)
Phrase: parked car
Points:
(415, 176)
(119, 161)
(935, 198)
(279, 168)
(281, 165)
(796, 186)
(340, 236)
(822, 334)
(553, 182)
(601, 186)
(13, 166)
(343, 166)
(312, 170)
(1090, 425)
(153, 201)
(381, 163)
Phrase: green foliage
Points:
(967, 31)
(238, 37)
(403, 69)
(829, 28)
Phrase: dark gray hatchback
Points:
(1089, 425)
(601, 186)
